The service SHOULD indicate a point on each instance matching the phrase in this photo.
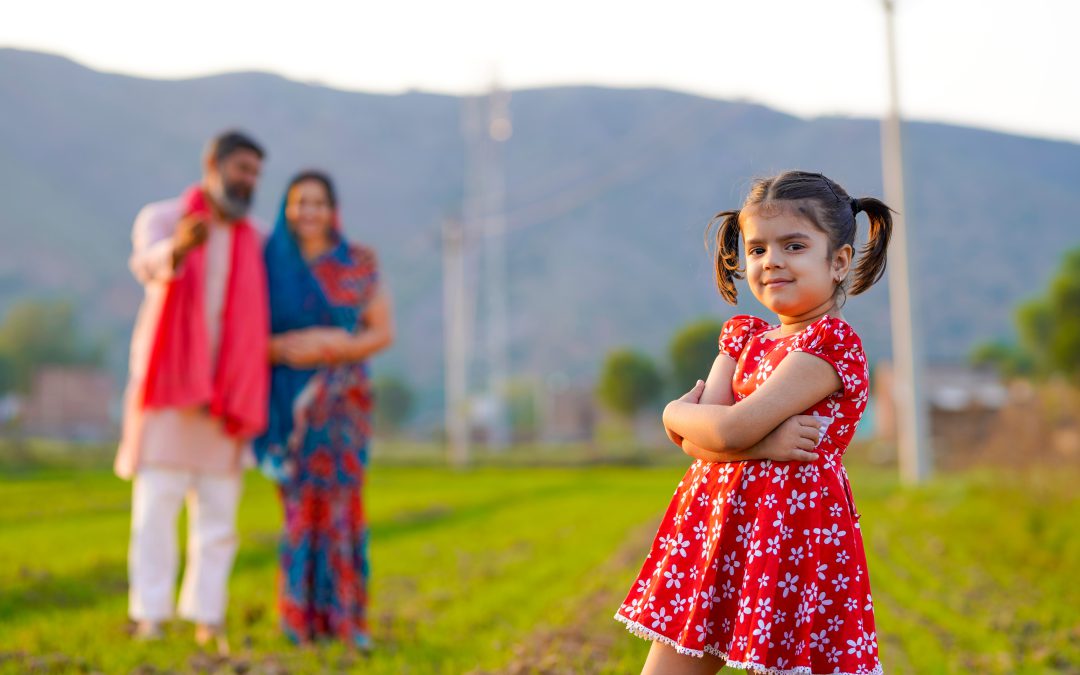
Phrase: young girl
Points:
(758, 563)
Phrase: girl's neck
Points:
(794, 323)
(313, 247)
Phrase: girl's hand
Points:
(692, 396)
(794, 439)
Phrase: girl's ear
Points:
(841, 262)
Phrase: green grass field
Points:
(519, 569)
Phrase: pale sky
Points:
(1000, 64)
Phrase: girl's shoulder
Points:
(737, 331)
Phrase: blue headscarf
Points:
(297, 301)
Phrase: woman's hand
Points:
(308, 347)
(794, 439)
(692, 396)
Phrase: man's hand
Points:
(191, 231)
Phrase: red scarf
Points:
(180, 373)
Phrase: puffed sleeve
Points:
(737, 331)
(835, 341)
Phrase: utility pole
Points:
(497, 132)
(455, 338)
(913, 443)
(486, 126)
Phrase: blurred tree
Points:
(521, 409)
(1007, 359)
(393, 403)
(693, 350)
(629, 380)
(1049, 330)
(39, 333)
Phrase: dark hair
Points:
(826, 205)
(319, 177)
(228, 142)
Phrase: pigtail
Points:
(871, 265)
(726, 255)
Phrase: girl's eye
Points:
(756, 251)
(796, 247)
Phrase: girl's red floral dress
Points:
(759, 562)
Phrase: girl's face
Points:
(788, 265)
(309, 212)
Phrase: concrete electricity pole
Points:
(913, 443)
(455, 337)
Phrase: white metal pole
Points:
(454, 338)
(913, 443)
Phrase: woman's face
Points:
(309, 212)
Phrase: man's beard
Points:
(230, 199)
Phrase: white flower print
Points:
(835, 510)
(693, 573)
(744, 608)
(650, 601)
(786, 532)
(780, 618)
(762, 631)
(788, 639)
(869, 607)
(730, 563)
(834, 623)
(851, 604)
(798, 647)
(764, 607)
(840, 583)
(797, 554)
(774, 545)
(800, 500)
(728, 590)
(779, 520)
(832, 534)
(661, 619)
(679, 603)
(821, 571)
(770, 500)
(807, 472)
(741, 642)
(842, 557)
(833, 655)
(674, 577)
(642, 585)
(703, 499)
(789, 584)
(755, 549)
(744, 534)
(856, 646)
(780, 473)
(823, 603)
(678, 545)
(818, 641)
(704, 630)
(752, 657)
(699, 530)
(709, 597)
(738, 504)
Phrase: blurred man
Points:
(197, 387)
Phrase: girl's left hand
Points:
(692, 396)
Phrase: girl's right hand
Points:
(692, 396)
(794, 439)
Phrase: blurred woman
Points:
(329, 313)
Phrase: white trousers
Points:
(157, 495)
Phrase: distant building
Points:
(568, 414)
(963, 403)
(70, 403)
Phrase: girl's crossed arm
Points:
(719, 425)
